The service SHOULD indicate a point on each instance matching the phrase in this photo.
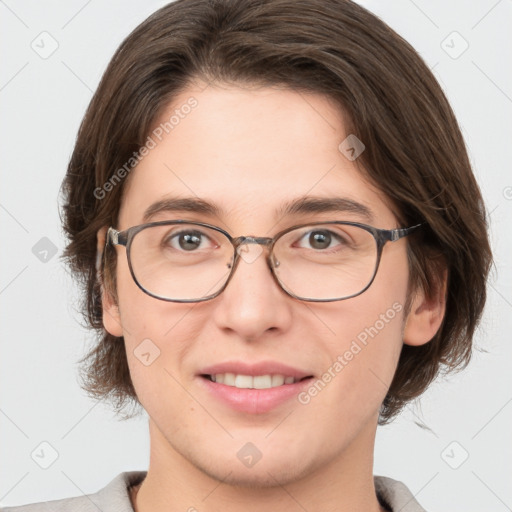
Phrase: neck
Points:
(343, 483)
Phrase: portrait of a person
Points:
(280, 242)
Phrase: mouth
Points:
(241, 381)
(254, 388)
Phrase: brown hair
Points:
(415, 153)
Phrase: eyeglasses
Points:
(182, 261)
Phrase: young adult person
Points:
(281, 241)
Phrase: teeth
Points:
(250, 382)
(244, 381)
(229, 379)
(278, 380)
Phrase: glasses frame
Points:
(381, 236)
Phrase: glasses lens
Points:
(331, 261)
(181, 261)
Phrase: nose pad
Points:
(249, 254)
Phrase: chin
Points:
(266, 476)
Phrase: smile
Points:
(252, 381)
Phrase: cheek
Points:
(370, 340)
(139, 312)
(363, 360)
(366, 339)
(157, 336)
(157, 345)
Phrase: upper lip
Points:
(260, 368)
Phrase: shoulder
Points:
(113, 496)
(396, 495)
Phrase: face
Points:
(251, 151)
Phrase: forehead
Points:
(246, 151)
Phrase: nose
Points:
(252, 303)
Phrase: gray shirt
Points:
(115, 497)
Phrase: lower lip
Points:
(254, 401)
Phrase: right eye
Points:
(187, 240)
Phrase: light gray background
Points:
(42, 102)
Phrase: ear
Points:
(426, 314)
(111, 316)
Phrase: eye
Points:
(187, 240)
(320, 239)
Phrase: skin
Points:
(250, 150)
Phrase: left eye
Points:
(322, 239)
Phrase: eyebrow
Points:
(301, 206)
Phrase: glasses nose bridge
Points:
(260, 240)
(257, 240)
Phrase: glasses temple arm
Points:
(396, 234)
